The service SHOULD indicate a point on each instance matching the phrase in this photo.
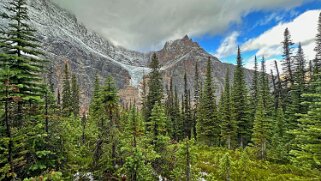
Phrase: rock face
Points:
(65, 40)
(180, 56)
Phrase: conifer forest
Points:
(269, 129)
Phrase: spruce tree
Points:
(265, 88)
(178, 118)
(21, 68)
(306, 148)
(21, 52)
(228, 125)
(75, 95)
(240, 110)
(287, 55)
(317, 49)
(110, 101)
(170, 110)
(197, 83)
(155, 87)
(66, 91)
(294, 106)
(279, 143)
(255, 83)
(208, 130)
(158, 136)
(254, 91)
(95, 103)
(261, 129)
(187, 110)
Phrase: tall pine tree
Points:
(240, 110)
(208, 130)
(287, 55)
(155, 87)
(75, 95)
(66, 91)
(228, 125)
(307, 146)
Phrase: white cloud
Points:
(302, 29)
(269, 64)
(228, 46)
(146, 24)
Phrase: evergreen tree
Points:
(105, 156)
(109, 100)
(208, 130)
(265, 88)
(158, 136)
(306, 150)
(155, 87)
(66, 92)
(95, 101)
(294, 106)
(255, 83)
(20, 80)
(228, 125)
(170, 110)
(21, 53)
(279, 144)
(178, 118)
(317, 49)
(187, 111)
(75, 95)
(261, 129)
(287, 55)
(299, 67)
(240, 112)
(136, 166)
(197, 83)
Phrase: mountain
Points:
(181, 55)
(64, 39)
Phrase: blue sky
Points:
(254, 24)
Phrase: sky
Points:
(219, 26)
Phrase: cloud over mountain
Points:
(146, 24)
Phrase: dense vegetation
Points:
(270, 130)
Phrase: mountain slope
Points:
(64, 39)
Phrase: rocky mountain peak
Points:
(183, 43)
(178, 48)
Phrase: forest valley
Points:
(270, 130)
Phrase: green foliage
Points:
(66, 92)
(261, 129)
(240, 108)
(137, 157)
(155, 88)
(228, 125)
(279, 145)
(75, 95)
(208, 130)
(306, 144)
